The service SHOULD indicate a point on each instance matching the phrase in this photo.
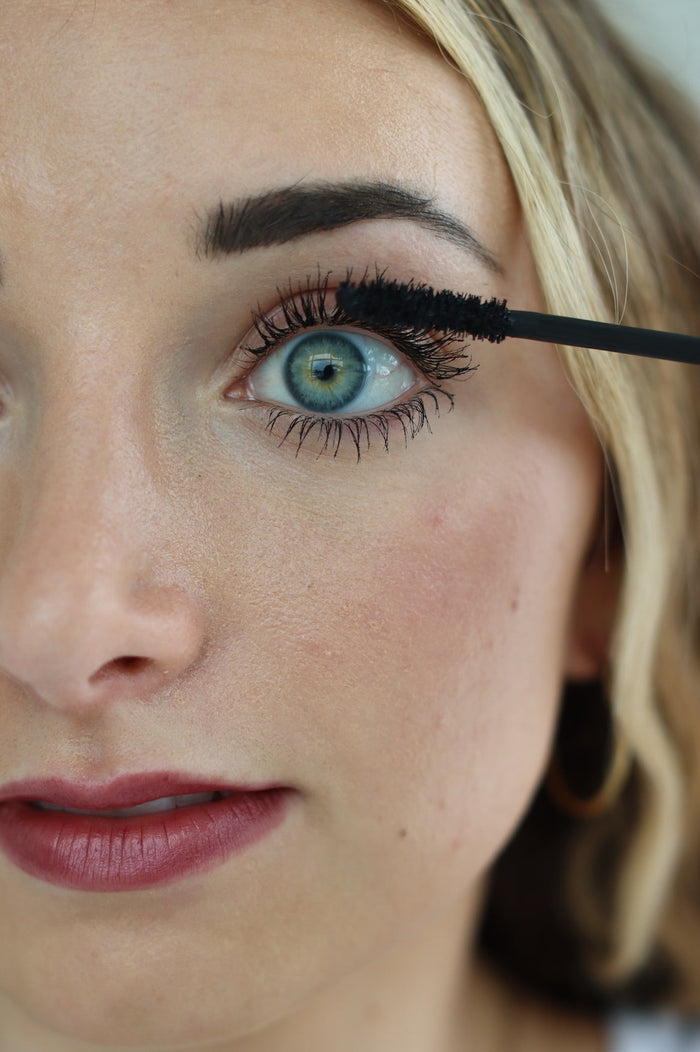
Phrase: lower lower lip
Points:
(95, 853)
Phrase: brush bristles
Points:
(420, 307)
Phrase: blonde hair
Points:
(604, 156)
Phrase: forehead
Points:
(120, 108)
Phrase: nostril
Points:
(128, 663)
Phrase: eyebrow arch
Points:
(290, 212)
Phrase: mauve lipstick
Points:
(127, 853)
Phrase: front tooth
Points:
(164, 803)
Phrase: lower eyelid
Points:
(320, 435)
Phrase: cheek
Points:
(422, 665)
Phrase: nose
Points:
(91, 610)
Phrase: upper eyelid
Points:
(301, 305)
(289, 300)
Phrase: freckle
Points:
(402, 834)
(514, 604)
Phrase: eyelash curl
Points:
(305, 308)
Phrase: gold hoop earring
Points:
(595, 772)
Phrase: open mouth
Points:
(150, 807)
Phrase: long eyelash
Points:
(306, 308)
(412, 416)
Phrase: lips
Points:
(133, 832)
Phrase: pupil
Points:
(325, 372)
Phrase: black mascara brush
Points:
(388, 303)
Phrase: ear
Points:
(594, 607)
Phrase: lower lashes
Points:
(411, 416)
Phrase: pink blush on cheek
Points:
(407, 675)
(472, 639)
(420, 668)
(413, 617)
(444, 571)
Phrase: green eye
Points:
(326, 371)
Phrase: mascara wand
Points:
(418, 306)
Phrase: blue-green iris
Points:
(325, 372)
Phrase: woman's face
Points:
(385, 638)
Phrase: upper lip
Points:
(126, 790)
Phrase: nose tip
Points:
(77, 652)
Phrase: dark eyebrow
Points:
(281, 215)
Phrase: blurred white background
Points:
(666, 30)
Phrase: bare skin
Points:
(388, 638)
